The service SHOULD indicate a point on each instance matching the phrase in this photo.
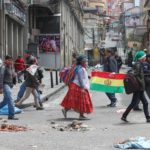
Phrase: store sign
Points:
(15, 11)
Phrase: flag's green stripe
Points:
(105, 88)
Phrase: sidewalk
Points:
(46, 88)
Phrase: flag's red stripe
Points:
(107, 75)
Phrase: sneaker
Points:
(12, 118)
(39, 108)
(41, 104)
(148, 120)
(124, 119)
(112, 105)
(64, 113)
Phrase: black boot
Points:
(124, 119)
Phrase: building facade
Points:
(94, 27)
(55, 31)
(147, 23)
(12, 25)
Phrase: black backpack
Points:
(131, 84)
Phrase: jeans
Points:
(22, 91)
(112, 97)
(28, 91)
(139, 95)
(8, 100)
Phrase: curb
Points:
(44, 98)
(47, 96)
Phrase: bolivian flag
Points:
(107, 82)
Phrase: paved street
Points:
(106, 128)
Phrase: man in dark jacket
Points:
(110, 65)
(146, 65)
(139, 94)
(9, 74)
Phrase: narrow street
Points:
(105, 127)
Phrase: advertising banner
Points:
(49, 43)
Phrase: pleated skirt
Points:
(77, 99)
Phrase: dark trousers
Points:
(139, 95)
(147, 89)
(112, 97)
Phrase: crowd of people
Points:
(78, 97)
(140, 66)
(14, 71)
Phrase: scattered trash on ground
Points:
(134, 143)
(4, 110)
(74, 126)
(12, 128)
(120, 111)
(34, 146)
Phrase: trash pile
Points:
(74, 126)
(134, 143)
(12, 128)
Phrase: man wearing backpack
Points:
(110, 65)
(139, 94)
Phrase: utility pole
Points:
(93, 37)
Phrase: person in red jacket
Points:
(19, 67)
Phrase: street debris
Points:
(12, 128)
(73, 126)
(134, 143)
(120, 111)
(34, 146)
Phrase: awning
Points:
(88, 49)
(90, 10)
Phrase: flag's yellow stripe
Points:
(106, 81)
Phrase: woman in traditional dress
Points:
(78, 97)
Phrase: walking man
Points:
(8, 76)
(110, 65)
(139, 94)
